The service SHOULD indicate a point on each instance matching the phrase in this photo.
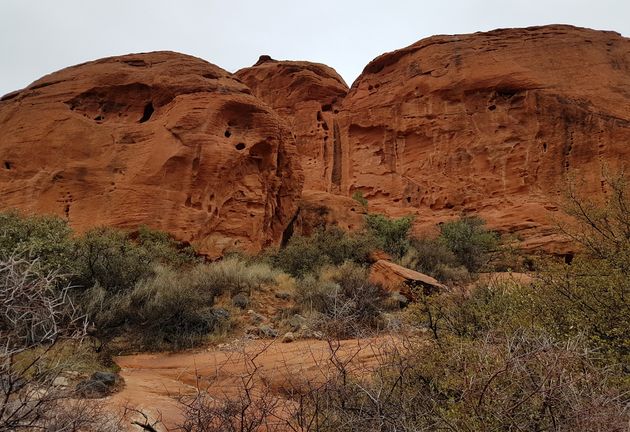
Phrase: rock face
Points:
(162, 139)
(490, 123)
(487, 123)
(307, 95)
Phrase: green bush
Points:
(433, 257)
(392, 235)
(333, 246)
(116, 260)
(45, 238)
(358, 197)
(470, 241)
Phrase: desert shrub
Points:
(234, 275)
(341, 300)
(470, 241)
(116, 260)
(333, 246)
(433, 257)
(173, 309)
(392, 235)
(472, 313)
(45, 238)
(39, 327)
(590, 296)
(358, 197)
(521, 381)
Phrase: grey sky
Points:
(39, 37)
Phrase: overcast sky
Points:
(39, 37)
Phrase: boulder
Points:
(92, 389)
(399, 279)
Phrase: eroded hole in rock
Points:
(319, 116)
(568, 258)
(8, 165)
(148, 112)
(227, 133)
(492, 107)
(99, 118)
(506, 93)
(239, 146)
(545, 148)
(326, 107)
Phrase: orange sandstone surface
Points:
(162, 139)
(487, 123)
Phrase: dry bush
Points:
(341, 301)
(523, 381)
(37, 316)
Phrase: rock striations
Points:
(162, 139)
(487, 123)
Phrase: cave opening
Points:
(148, 112)
(8, 165)
(240, 146)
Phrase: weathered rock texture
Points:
(307, 95)
(487, 123)
(162, 139)
(394, 277)
(490, 123)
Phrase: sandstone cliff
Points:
(162, 139)
(486, 123)
(490, 123)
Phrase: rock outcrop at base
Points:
(162, 139)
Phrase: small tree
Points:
(392, 235)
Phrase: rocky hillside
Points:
(487, 123)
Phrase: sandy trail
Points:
(154, 381)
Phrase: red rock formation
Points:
(307, 95)
(490, 123)
(162, 139)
